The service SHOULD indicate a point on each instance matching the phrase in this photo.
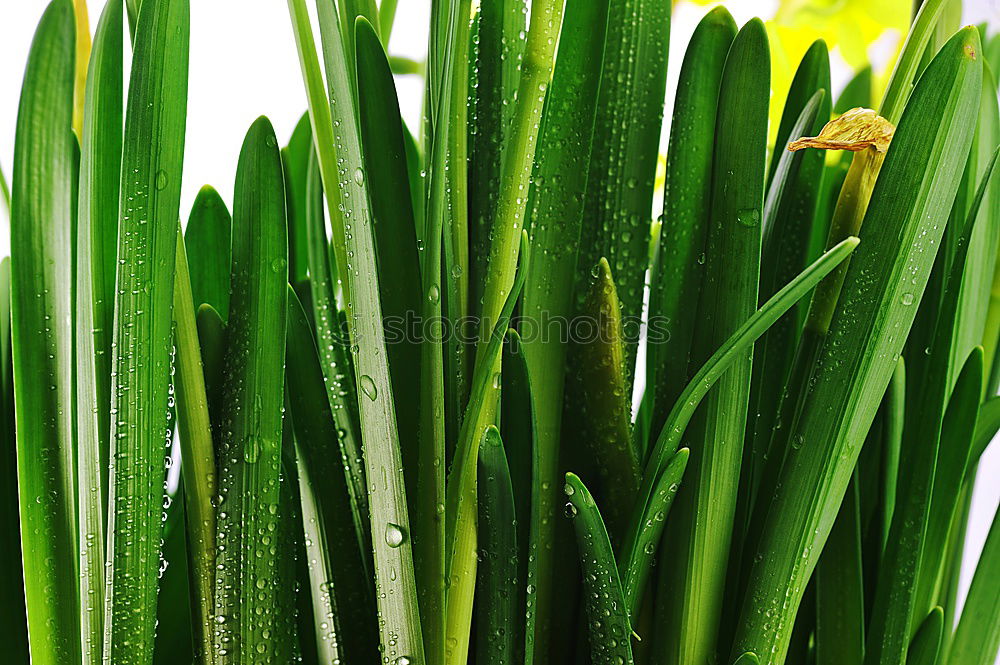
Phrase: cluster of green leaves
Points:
(819, 378)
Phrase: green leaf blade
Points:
(150, 199)
(876, 308)
(610, 630)
(250, 447)
(42, 218)
(96, 246)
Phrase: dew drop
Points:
(368, 387)
(748, 217)
(394, 535)
(161, 179)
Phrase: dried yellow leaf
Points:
(855, 130)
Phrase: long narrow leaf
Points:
(42, 218)
(343, 596)
(608, 620)
(978, 634)
(247, 593)
(393, 556)
(208, 242)
(907, 212)
(703, 518)
(197, 456)
(96, 243)
(150, 197)
(499, 565)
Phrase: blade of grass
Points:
(600, 417)
(619, 196)
(812, 74)
(610, 628)
(909, 205)
(895, 406)
(14, 626)
(957, 431)
(96, 243)
(350, 11)
(197, 456)
(41, 243)
(295, 157)
(982, 202)
(397, 601)
(840, 601)
(926, 644)
(977, 636)
(786, 228)
(565, 143)
(910, 569)
(212, 338)
(959, 420)
(343, 597)
(132, 10)
(461, 508)
(497, 576)
(680, 415)
(247, 593)
(536, 72)
(336, 364)
(208, 240)
(679, 270)
(150, 197)
(641, 559)
(498, 49)
(5, 194)
(455, 275)
(703, 523)
(174, 625)
(987, 425)
(431, 544)
(517, 428)
(395, 236)
(386, 19)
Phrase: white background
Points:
(244, 64)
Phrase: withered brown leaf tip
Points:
(855, 130)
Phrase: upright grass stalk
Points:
(703, 520)
(42, 217)
(96, 242)
(678, 271)
(462, 506)
(14, 629)
(197, 456)
(431, 546)
(909, 206)
(498, 46)
(508, 224)
(208, 240)
(248, 593)
(565, 143)
(344, 185)
(141, 349)
(343, 597)
(619, 197)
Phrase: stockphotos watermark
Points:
(412, 328)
